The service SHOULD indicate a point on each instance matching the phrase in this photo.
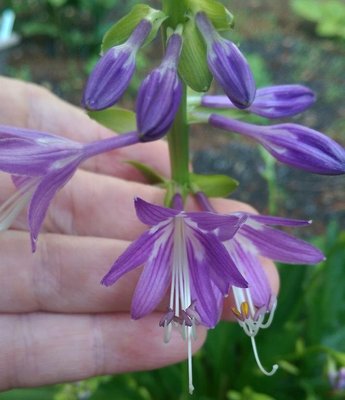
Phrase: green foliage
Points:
(72, 24)
(329, 15)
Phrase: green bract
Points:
(193, 65)
(221, 18)
(119, 120)
(121, 31)
(213, 185)
(152, 176)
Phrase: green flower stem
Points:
(176, 9)
(178, 139)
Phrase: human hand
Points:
(57, 322)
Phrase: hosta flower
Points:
(227, 64)
(253, 237)
(40, 164)
(160, 94)
(255, 305)
(179, 252)
(113, 72)
(271, 102)
(291, 144)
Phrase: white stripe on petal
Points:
(11, 208)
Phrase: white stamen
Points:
(190, 368)
(258, 362)
(270, 316)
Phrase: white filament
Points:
(258, 362)
(180, 294)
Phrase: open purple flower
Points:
(40, 164)
(256, 304)
(113, 72)
(272, 102)
(160, 94)
(179, 252)
(227, 64)
(291, 144)
(253, 236)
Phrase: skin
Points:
(57, 323)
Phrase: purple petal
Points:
(210, 221)
(269, 220)
(43, 195)
(222, 269)
(253, 271)
(136, 254)
(154, 280)
(27, 136)
(203, 292)
(280, 246)
(150, 214)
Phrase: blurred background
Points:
(286, 41)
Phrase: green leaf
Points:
(43, 393)
(152, 176)
(247, 394)
(193, 64)
(57, 3)
(120, 120)
(219, 15)
(213, 185)
(122, 29)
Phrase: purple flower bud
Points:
(113, 72)
(160, 95)
(227, 64)
(271, 102)
(292, 144)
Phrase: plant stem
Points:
(178, 140)
(176, 10)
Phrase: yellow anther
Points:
(236, 312)
(245, 309)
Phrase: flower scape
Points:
(195, 258)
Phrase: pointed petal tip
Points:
(106, 281)
(33, 243)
